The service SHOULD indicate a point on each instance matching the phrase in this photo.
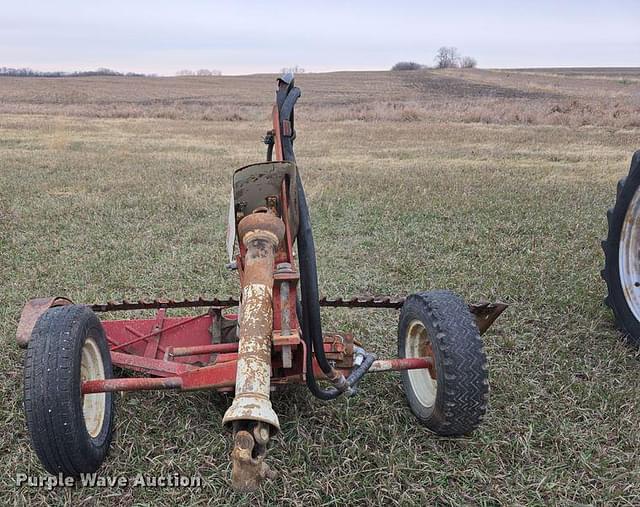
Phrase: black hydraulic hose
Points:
(306, 247)
(355, 375)
(286, 113)
(309, 280)
(323, 394)
(309, 310)
(352, 380)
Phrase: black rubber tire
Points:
(615, 299)
(460, 362)
(52, 399)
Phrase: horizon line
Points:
(118, 73)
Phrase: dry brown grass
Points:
(402, 200)
(472, 96)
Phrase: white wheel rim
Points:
(424, 386)
(628, 256)
(93, 405)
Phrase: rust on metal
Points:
(339, 349)
(254, 360)
(221, 376)
(486, 314)
(409, 363)
(276, 132)
(260, 349)
(152, 343)
(249, 468)
(260, 233)
(430, 354)
(153, 304)
(31, 312)
(149, 365)
(228, 302)
(130, 384)
(284, 338)
(261, 433)
(255, 183)
(364, 302)
(258, 224)
(201, 349)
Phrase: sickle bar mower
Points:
(274, 339)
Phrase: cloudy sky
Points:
(259, 36)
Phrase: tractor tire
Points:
(70, 433)
(451, 397)
(622, 255)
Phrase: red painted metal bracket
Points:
(31, 313)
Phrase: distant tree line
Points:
(200, 72)
(26, 72)
(296, 69)
(447, 57)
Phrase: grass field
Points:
(491, 183)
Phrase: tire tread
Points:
(55, 424)
(624, 319)
(464, 380)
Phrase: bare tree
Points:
(468, 62)
(203, 72)
(185, 72)
(447, 57)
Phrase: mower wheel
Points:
(450, 398)
(70, 432)
(622, 254)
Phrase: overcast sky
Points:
(252, 36)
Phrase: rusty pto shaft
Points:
(251, 413)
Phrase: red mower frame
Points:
(201, 352)
(213, 350)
